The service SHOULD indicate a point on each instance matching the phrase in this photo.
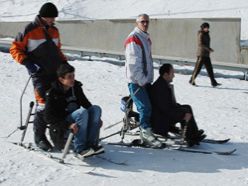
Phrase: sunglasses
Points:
(143, 22)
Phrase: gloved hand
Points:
(32, 67)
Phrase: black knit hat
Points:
(48, 10)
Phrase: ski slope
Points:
(221, 112)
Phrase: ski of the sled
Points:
(215, 141)
(225, 152)
(177, 137)
(31, 147)
(206, 140)
(136, 143)
(109, 160)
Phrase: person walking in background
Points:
(203, 55)
(38, 49)
(139, 73)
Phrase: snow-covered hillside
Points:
(20, 10)
(221, 112)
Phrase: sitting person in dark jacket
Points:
(66, 108)
(166, 112)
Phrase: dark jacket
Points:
(203, 44)
(57, 104)
(165, 111)
(39, 44)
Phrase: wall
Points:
(172, 38)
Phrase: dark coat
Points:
(56, 104)
(203, 43)
(165, 111)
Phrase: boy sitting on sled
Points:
(67, 108)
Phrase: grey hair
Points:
(141, 15)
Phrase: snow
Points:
(16, 10)
(221, 112)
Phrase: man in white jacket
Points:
(139, 73)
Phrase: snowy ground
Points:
(16, 10)
(221, 112)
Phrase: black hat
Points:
(205, 25)
(48, 10)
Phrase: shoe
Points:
(191, 143)
(216, 84)
(201, 137)
(98, 149)
(147, 137)
(45, 145)
(175, 130)
(200, 132)
(87, 152)
(192, 82)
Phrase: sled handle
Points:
(67, 146)
(21, 127)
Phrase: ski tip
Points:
(226, 140)
(227, 152)
(234, 150)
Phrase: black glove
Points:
(31, 67)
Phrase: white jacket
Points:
(135, 71)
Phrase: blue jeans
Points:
(142, 101)
(88, 121)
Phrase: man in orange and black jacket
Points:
(38, 49)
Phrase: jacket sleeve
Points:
(133, 53)
(83, 100)
(52, 115)
(18, 48)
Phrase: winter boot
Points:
(98, 149)
(215, 84)
(190, 135)
(192, 82)
(148, 138)
(175, 130)
(39, 132)
(44, 145)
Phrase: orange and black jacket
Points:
(38, 45)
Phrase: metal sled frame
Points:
(130, 121)
(27, 122)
